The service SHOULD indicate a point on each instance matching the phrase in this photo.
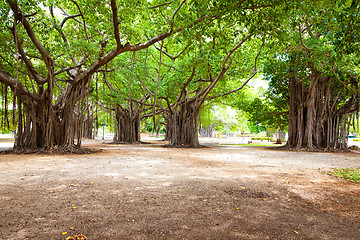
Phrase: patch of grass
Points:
(356, 139)
(350, 174)
(261, 138)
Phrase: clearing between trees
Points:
(153, 192)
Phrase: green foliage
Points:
(350, 174)
(263, 114)
(332, 36)
(223, 118)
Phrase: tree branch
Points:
(116, 24)
(16, 85)
(67, 18)
(173, 16)
(78, 7)
(25, 59)
(183, 89)
(67, 69)
(19, 16)
(171, 56)
(160, 5)
(301, 40)
(129, 47)
(254, 72)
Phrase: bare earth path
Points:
(152, 192)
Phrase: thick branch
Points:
(26, 60)
(116, 24)
(301, 40)
(67, 18)
(18, 14)
(128, 47)
(16, 85)
(160, 5)
(173, 16)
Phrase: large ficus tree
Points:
(220, 60)
(319, 73)
(48, 59)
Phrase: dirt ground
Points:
(153, 192)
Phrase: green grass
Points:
(350, 174)
(262, 138)
(356, 139)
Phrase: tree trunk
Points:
(206, 131)
(33, 124)
(316, 121)
(88, 122)
(169, 127)
(127, 127)
(185, 126)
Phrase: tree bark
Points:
(316, 119)
(184, 125)
(127, 127)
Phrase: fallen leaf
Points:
(77, 237)
(296, 232)
(71, 228)
(74, 206)
(22, 178)
(64, 233)
(237, 208)
(91, 182)
(243, 187)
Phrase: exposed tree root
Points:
(55, 151)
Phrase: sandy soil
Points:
(153, 192)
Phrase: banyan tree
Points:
(321, 108)
(318, 76)
(48, 60)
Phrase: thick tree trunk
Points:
(316, 122)
(69, 119)
(185, 126)
(127, 127)
(33, 121)
(169, 127)
(43, 125)
(88, 128)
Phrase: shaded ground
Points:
(151, 192)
